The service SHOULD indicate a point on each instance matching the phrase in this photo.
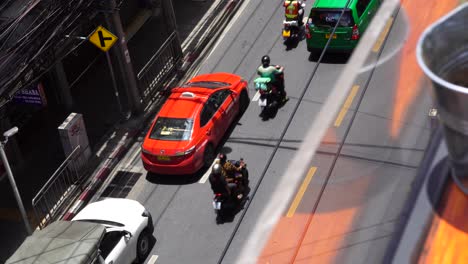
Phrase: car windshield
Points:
(328, 18)
(172, 129)
(206, 84)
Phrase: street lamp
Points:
(8, 134)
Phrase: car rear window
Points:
(206, 84)
(328, 18)
(172, 129)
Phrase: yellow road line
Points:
(301, 192)
(346, 105)
(383, 35)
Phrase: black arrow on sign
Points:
(103, 39)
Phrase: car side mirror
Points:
(126, 234)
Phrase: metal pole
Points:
(114, 82)
(123, 56)
(61, 79)
(15, 189)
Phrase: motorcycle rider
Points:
(294, 10)
(272, 72)
(218, 181)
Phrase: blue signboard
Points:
(31, 95)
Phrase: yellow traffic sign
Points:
(102, 38)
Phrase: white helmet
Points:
(216, 168)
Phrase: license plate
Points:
(217, 205)
(286, 33)
(328, 36)
(164, 158)
(262, 102)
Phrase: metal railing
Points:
(159, 68)
(62, 187)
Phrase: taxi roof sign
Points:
(102, 38)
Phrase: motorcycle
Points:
(270, 97)
(292, 28)
(224, 204)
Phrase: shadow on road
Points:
(229, 217)
(174, 179)
(292, 43)
(330, 57)
(273, 112)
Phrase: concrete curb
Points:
(101, 175)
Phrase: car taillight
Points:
(307, 28)
(144, 151)
(355, 34)
(187, 152)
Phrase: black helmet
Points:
(222, 158)
(266, 60)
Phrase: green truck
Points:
(325, 14)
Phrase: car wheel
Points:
(208, 156)
(143, 246)
(244, 101)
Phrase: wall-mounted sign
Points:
(33, 94)
(102, 38)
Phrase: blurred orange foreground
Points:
(447, 240)
(421, 14)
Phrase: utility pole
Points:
(6, 164)
(122, 59)
(58, 73)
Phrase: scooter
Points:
(291, 30)
(270, 97)
(219, 201)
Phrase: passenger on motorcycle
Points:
(233, 172)
(229, 169)
(294, 10)
(273, 72)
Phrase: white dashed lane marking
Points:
(256, 96)
(207, 173)
(153, 259)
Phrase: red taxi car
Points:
(192, 122)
